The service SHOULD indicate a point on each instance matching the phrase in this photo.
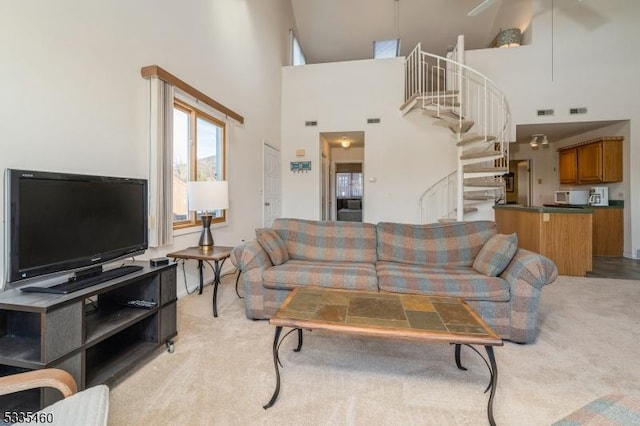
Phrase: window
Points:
(348, 185)
(198, 155)
(386, 48)
(297, 56)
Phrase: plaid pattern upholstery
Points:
(440, 281)
(341, 275)
(510, 307)
(273, 245)
(328, 241)
(496, 254)
(453, 244)
(527, 273)
(609, 410)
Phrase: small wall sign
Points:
(300, 166)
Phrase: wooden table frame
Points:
(215, 254)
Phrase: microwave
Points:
(579, 198)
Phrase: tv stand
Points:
(91, 333)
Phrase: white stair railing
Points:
(446, 84)
(438, 201)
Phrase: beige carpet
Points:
(221, 372)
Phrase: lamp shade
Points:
(208, 195)
(508, 38)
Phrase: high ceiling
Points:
(344, 30)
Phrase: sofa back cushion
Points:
(453, 244)
(273, 245)
(328, 241)
(496, 254)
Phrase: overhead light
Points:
(534, 142)
(345, 142)
(539, 139)
(509, 38)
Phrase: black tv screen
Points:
(62, 222)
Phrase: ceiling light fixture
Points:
(538, 140)
(345, 142)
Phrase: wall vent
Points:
(545, 112)
(310, 123)
(582, 110)
(373, 120)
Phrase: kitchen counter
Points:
(563, 234)
(546, 209)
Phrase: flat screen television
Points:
(62, 222)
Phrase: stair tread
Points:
(484, 184)
(479, 197)
(475, 169)
(482, 154)
(474, 139)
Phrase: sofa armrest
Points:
(530, 268)
(250, 255)
(527, 273)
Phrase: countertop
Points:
(613, 204)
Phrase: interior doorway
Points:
(342, 188)
(519, 185)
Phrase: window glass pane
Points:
(209, 153)
(349, 185)
(386, 48)
(180, 164)
(298, 56)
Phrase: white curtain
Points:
(160, 163)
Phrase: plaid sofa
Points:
(434, 259)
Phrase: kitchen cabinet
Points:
(593, 161)
(568, 166)
(608, 231)
(563, 235)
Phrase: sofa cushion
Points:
(273, 245)
(340, 275)
(496, 254)
(458, 281)
(328, 241)
(453, 244)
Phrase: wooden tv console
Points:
(89, 333)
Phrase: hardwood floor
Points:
(615, 267)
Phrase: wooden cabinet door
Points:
(568, 172)
(612, 160)
(590, 163)
(608, 232)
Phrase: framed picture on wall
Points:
(508, 179)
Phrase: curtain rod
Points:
(155, 71)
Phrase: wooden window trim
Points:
(155, 71)
(194, 113)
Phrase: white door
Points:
(270, 185)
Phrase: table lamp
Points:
(207, 196)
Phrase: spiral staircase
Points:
(461, 99)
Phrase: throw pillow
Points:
(496, 254)
(273, 245)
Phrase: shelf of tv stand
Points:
(20, 351)
(102, 325)
(88, 333)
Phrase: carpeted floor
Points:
(221, 372)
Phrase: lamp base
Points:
(206, 239)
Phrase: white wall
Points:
(73, 99)
(403, 154)
(574, 61)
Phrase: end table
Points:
(217, 254)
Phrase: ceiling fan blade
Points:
(479, 8)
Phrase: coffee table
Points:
(387, 315)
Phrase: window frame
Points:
(193, 218)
